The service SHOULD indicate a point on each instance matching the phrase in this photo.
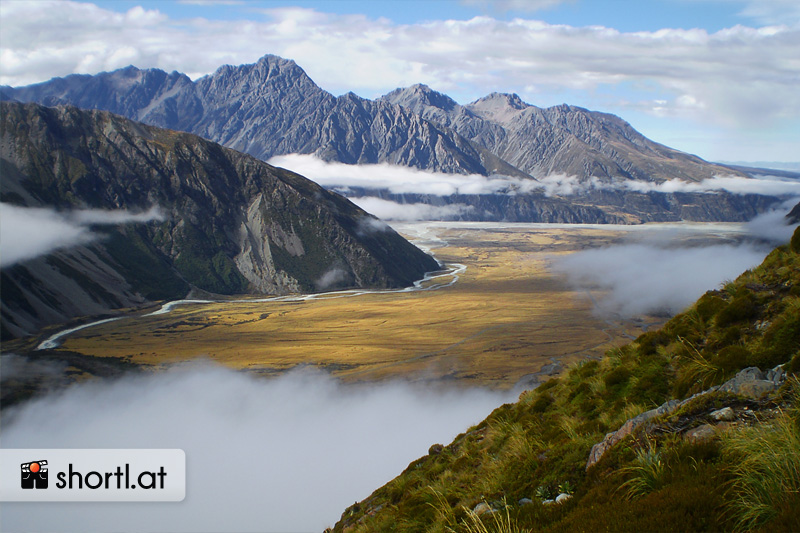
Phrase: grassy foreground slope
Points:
(668, 474)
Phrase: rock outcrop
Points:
(750, 383)
(793, 216)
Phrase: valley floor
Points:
(508, 320)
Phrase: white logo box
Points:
(92, 475)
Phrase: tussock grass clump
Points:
(696, 371)
(500, 522)
(766, 468)
(465, 520)
(646, 472)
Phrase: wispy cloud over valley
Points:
(661, 272)
(26, 233)
(361, 181)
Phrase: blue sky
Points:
(624, 15)
(717, 78)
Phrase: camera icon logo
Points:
(34, 475)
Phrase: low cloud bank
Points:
(645, 279)
(332, 276)
(406, 180)
(394, 178)
(772, 226)
(388, 210)
(664, 276)
(768, 185)
(29, 232)
(283, 454)
(368, 225)
(765, 185)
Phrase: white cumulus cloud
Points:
(737, 76)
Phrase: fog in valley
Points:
(400, 180)
(290, 453)
(281, 454)
(663, 271)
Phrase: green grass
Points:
(497, 522)
(646, 473)
(652, 480)
(766, 467)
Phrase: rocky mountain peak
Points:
(149, 81)
(419, 96)
(273, 60)
(499, 107)
(267, 69)
(565, 108)
(129, 70)
(350, 95)
(270, 65)
(495, 99)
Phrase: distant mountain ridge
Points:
(563, 139)
(264, 109)
(273, 108)
(233, 224)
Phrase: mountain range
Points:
(229, 224)
(272, 108)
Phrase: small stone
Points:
(750, 382)
(702, 433)
(436, 449)
(481, 508)
(561, 498)
(777, 375)
(725, 414)
(750, 373)
(525, 501)
(756, 389)
(548, 502)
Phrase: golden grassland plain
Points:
(505, 319)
